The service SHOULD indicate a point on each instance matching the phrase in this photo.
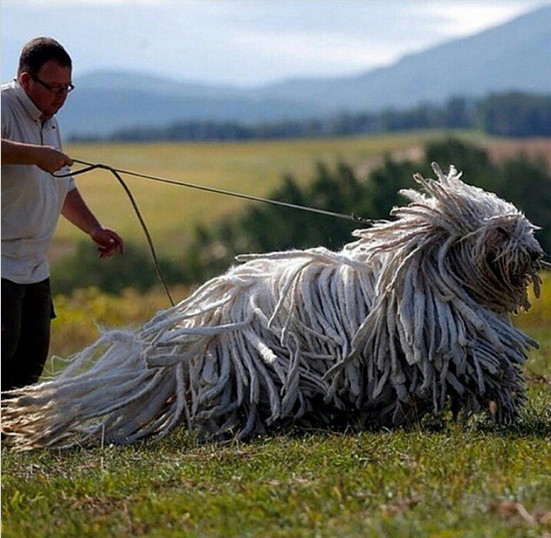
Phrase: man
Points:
(32, 200)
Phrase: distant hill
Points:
(106, 102)
(512, 56)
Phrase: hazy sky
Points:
(243, 42)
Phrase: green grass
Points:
(453, 481)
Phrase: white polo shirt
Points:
(31, 198)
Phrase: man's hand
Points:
(47, 158)
(51, 160)
(108, 241)
(76, 211)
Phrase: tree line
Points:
(337, 188)
(506, 114)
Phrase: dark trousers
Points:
(26, 313)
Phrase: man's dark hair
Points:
(40, 50)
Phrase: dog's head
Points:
(485, 244)
(508, 259)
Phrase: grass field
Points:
(254, 168)
(437, 479)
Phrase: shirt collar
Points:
(26, 101)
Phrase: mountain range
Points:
(512, 56)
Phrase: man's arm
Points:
(47, 158)
(76, 211)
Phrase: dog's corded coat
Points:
(410, 318)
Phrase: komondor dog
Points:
(410, 319)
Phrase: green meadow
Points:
(438, 478)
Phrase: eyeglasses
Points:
(54, 88)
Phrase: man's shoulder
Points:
(8, 93)
(9, 106)
(8, 87)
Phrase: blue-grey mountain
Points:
(512, 56)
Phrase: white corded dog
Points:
(410, 318)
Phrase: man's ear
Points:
(24, 80)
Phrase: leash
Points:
(116, 173)
(92, 166)
(88, 167)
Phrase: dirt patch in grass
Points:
(501, 150)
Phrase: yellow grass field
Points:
(254, 168)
